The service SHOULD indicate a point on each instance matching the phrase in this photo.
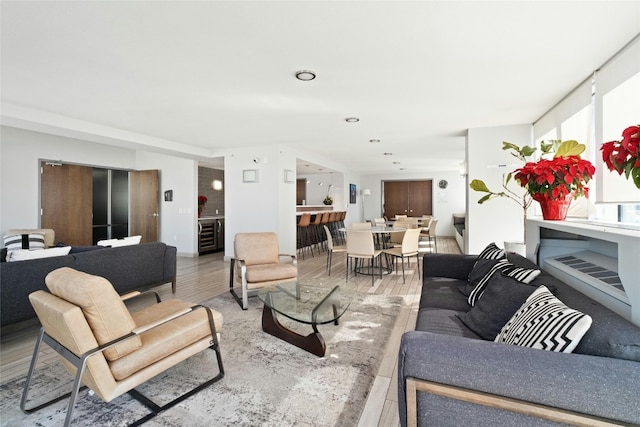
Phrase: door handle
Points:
(154, 215)
(199, 228)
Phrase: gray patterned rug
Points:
(267, 382)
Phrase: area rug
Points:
(267, 382)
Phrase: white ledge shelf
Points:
(599, 259)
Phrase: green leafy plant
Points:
(524, 200)
(328, 200)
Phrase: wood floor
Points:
(205, 277)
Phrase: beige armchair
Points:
(111, 350)
(257, 264)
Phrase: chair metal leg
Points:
(243, 300)
(78, 362)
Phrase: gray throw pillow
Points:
(502, 297)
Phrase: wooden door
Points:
(411, 198)
(144, 196)
(66, 199)
(396, 198)
(301, 191)
(420, 198)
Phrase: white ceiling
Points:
(197, 77)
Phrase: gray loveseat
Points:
(601, 378)
(127, 268)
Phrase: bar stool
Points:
(333, 224)
(324, 221)
(303, 233)
(316, 229)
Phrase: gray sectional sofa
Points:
(600, 379)
(127, 268)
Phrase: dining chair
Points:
(331, 248)
(111, 350)
(257, 264)
(379, 222)
(395, 238)
(430, 233)
(409, 248)
(361, 247)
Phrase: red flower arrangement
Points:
(201, 201)
(555, 182)
(622, 156)
(556, 178)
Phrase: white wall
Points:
(266, 205)
(499, 219)
(21, 152)
(316, 194)
(445, 202)
(178, 218)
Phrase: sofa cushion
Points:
(502, 297)
(105, 312)
(442, 292)
(546, 323)
(442, 321)
(610, 334)
(524, 275)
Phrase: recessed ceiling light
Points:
(305, 75)
(388, 154)
(374, 141)
(396, 163)
(352, 120)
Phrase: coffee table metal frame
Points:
(314, 342)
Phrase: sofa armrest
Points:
(597, 386)
(454, 266)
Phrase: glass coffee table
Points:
(311, 301)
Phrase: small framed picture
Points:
(250, 175)
(289, 175)
(353, 194)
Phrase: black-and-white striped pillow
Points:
(544, 322)
(521, 274)
(24, 241)
(492, 251)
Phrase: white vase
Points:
(518, 247)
